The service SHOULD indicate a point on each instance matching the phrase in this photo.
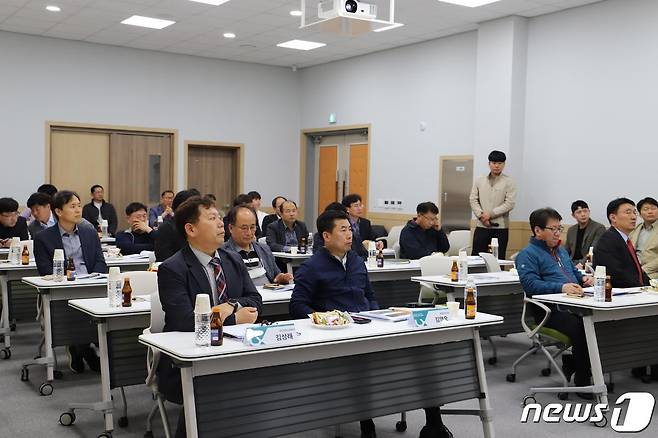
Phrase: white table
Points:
(328, 377)
(10, 272)
(4, 253)
(108, 240)
(275, 302)
(620, 334)
(118, 329)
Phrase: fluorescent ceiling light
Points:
(470, 3)
(301, 45)
(151, 23)
(211, 2)
(296, 13)
(392, 26)
(53, 8)
(229, 35)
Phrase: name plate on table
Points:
(433, 317)
(275, 334)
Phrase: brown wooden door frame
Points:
(238, 147)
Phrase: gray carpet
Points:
(23, 413)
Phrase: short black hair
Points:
(254, 195)
(275, 199)
(48, 189)
(211, 196)
(188, 212)
(135, 206)
(351, 199)
(62, 198)
(539, 218)
(578, 204)
(427, 207)
(337, 206)
(284, 202)
(8, 205)
(242, 198)
(165, 192)
(497, 157)
(647, 200)
(327, 220)
(183, 196)
(613, 206)
(38, 199)
(232, 215)
(94, 187)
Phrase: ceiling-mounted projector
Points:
(329, 9)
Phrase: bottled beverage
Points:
(372, 254)
(494, 247)
(608, 289)
(99, 230)
(216, 328)
(104, 228)
(599, 283)
(301, 248)
(310, 242)
(127, 293)
(70, 269)
(380, 259)
(25, 256)
(58, 265)
(15, 251)
(114, 286)
(159, 222)
(454, 270)
(463, 266)
(470, 299)
(588, 261)
(202, 315)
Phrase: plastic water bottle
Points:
(160, 221)
(599, 284)
(372, 254)
(58, 265)
(309, 241)
(463, 266)
(114, 286)
(202, 317)
(15, 251)
(104, 228)
(494, 247)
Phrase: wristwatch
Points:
(235, 305)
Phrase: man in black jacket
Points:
(11, 224)
(201, 267)
(423, 235)
(168, 240)
(270, 218)
(98, 210)
(287, 231)
(361, 227)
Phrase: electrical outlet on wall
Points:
(398, 204)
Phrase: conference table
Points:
(328, 377)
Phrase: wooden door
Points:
(214, 169)
(140, 170)
(358, 172)
(327, 176)
(78, 160)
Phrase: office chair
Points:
(458, 239)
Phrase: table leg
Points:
(189, 404)
(289, 266)
(48, 338)
(485, 408)
(595, 360)
(5, 327)
(106, 391)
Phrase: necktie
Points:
(631, 249)
(222, 297)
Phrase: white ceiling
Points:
(258, 24)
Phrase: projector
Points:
(329, 9)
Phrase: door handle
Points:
(445, 196)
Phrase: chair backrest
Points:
(396, 248)
(394, 235)
(157, 314)
(491, 262)
(143, 282)
(262, 240)
(30, 246)
(458, 239)
(433, 265)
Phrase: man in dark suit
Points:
(287, 231)
(168, 240)
(582, 236)
(201, 267)
(11, 224)
(98, 210)
(39, 205)
(139, 236)
(270, 218)
(241, 199)
(361, 227)
(80, 243)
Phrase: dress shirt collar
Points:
(622, 234)
(63, 232)
(203, 258)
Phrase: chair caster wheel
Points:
(401, 426)
(563, 395)
(46, 389)
(25, 375)
(492, 360)
(610, 387)
(5, 353)
(57, 374)
(511, 377)
(148, 434)
(105, 435)
(546, 372)
(123, 422)
(67, 418)
(12, 326)
(529, 399)
(602, 423)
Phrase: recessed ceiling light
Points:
(301, 45)
(392, 26)
(296, 13)
(470, 3)
(229, 35)
(151, 23)
(211, 2)
(53, 8)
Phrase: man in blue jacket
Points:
(336, 278)
(423, 235)
(139, 236)
(545, 267)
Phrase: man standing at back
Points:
(583, 235)
(98, 210)
(493, 196)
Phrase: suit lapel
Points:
(197, 270)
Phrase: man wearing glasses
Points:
(11, 224)
(423, 236)
(257, 257)
(546, 268)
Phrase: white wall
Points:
(48, 79)
(591, 106)
(395, 90)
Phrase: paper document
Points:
(616, 290)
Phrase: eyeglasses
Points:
(431, 218)
(245, 228)
(555, 230)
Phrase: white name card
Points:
(432, 317)
(275, 334)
